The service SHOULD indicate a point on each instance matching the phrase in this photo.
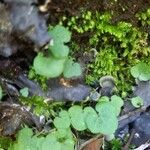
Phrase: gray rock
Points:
(56, 91)
(21, 24)
(142, 129)
(143, 90)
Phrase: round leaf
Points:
(48, 67)
(141, 71)
(24, 92)
(117, 101)
(59, 50)
(105, 107)
(60, 36)
(104, 99)
(103, 123)
(72, 69)
(91, 119)
(137, 102)
(63, 121)
(77, 118)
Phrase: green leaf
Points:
(77, 118)
(117, 101)
(141, 71)
(51, 142)
(72, 69)
(23, 140)
(105, 107)
(64, 133)
(100, 123)
(26, 141)
(63, 121)
(24, 92)
(137, 102)
(5, 142)
(68, 145)
(53, 139)
(48, 66)
(104, 99)
(60, 36)
(107, 117)
(92, 120)
(108, 125)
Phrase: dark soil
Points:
(122, 10)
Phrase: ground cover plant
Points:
(117, 47)
(81, 82)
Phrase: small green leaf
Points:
(107, 116)
(92, 120)
(68, 144)
(105, 107)
(72, 69)
(63, 121)
(64, 133)
(104, 99)
(137, 102)
(48, 66)
(104, 122)
(77, 118)
(117, 101)
(60, 36)
(141, 71)
(24, 92)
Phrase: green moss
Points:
(41, 105)
(38, 78)
(119, 46)
(144, 17)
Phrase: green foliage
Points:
(77, 118)
(104, 114)
(27, 141)
(141, 71)
(144, 17)
(38, 78)
(57, 62)
(63, 121)
(40, 107)
(116, 144)
(24, 92)
(119, 46)
(60, 37)
(5, 142)
(48, 66)
(137, 102)
(72, 69)
(102, 119)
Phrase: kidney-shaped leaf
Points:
(72, 69)
(137, 102)
(48, 66)
(63, 121)
(77, 118)
(141, 71)
(60, 36)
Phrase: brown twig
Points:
(89, 141)
(126, 147)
